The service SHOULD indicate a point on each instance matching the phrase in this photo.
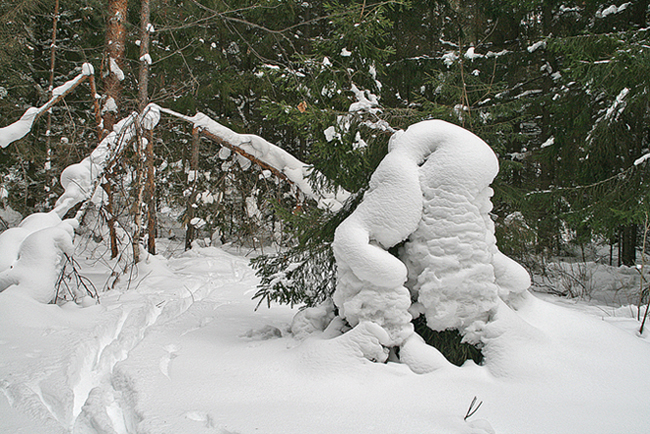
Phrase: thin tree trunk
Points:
(137, 206)
(150, 195)
(143, 100)
(111, 219)
(143, 82)
(194, 169)
(114, 52)
(628, 242)
(55, 21)
(114, 59)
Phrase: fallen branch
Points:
(266, 155)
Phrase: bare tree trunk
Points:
(143, 100)
(143, 82)
(137, 214)
(111, 219)
(55, 21)
(194, 171)
(628, 242)
(114, 61)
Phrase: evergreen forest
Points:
(558, 89)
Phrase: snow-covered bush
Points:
(432, 190)
(33, 253)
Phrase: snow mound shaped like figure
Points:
(432, 188)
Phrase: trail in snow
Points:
(61, 372)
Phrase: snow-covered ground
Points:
(183, 350)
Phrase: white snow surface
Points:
(641, 159)
(183, 350)
(115, 69)
(471, 54)
(449, 58)
(613, 9)
(366, 101)
(18, 129)
(178, 346)
(146, 58)
(536, 46)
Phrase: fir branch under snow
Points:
(366, 101)
(23, 126)
(642, 159)
(471, 55)
(549, 142)
(612, 112)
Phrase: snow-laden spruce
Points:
(432, 188)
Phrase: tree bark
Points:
(114, 56)
(628, 245)
(55, 22)
(111, 219)
(194, 170)
(115, 44)
(143, 100)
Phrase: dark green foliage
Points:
(306, 272)
(449, 343)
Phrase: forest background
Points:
(558, 89)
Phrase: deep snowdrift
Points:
(183, 351)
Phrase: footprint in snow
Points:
(165, 361)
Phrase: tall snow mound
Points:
(31, 255)
(433, 190)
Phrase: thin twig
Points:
(473, 408)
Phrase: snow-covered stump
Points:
(433, 188)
